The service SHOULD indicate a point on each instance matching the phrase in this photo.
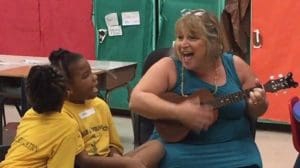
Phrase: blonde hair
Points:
(206, 25)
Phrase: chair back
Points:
(3, 151)
(295, 125)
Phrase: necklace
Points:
(182, 81)
(215, 82)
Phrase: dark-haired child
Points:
(45, 137)
(94, 117)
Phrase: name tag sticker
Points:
(87, 113)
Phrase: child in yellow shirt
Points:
(45, 137)
(95, 120)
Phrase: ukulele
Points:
(174, 131)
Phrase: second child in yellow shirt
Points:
(45, 136)
(95, 120)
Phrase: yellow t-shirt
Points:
(96, 126)
(44, 140)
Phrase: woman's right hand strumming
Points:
(196, 116)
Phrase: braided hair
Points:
(62, 59)
(46, 88)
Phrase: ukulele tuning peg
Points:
(272, 77)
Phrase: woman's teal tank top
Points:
(228, 142)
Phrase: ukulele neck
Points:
(230, 99)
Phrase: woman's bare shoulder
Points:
(162, 74)
(167, 60)
(163, 64)
(243, 70)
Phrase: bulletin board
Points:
(169, 12)
(129, 36)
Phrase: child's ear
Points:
(69, 92)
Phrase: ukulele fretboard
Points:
(230, 99)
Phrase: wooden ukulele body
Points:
(174, 131)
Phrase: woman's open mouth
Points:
(187, 56)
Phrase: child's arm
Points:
(83, 160)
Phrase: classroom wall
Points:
(36, 27)
(277, 54)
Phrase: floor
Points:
(276, 147)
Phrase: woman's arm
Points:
(144, 98)
(257, 101)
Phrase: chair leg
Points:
(4, 117)
(2, 111)
(1, 117)
(3, 151)
(136, 129)
(18, 109)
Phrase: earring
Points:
(69, 92)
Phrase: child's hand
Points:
(114, 152)
(115, 155)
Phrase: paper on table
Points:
(4, 65)
(22, 62)
(9, 63)
(34, 62)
